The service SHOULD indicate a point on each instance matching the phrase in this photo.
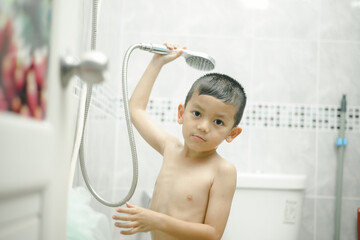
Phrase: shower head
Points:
(194, 59)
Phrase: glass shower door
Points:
(35, 121)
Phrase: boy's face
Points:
(207, 121)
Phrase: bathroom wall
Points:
(295, 59)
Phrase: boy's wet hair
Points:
(221, 87)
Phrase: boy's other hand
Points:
(136, 218)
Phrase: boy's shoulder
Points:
(225, 167)
(225, 171)
(225, 176)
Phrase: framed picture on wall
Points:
(24, 49)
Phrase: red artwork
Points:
(23, 63)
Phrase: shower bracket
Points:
(90, 68)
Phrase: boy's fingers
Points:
(126, 224)
(129, 205)
(125, 210)
(122, 217)
(129, 232)
(171, 46)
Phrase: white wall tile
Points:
(339, 72)
(340, 20)
(284, 72)
(288, 19)
(307, 220)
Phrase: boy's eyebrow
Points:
(196, 105)
(223, 116)
(218, 115)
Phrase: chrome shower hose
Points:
(128, 123)
(130, 134)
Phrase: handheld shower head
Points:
(197, 60)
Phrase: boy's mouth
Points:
(198, 138)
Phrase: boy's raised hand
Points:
(164, 59)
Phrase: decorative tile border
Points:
(268, 115)
(258, 115)
(293, 116)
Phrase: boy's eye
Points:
(196, 113)
(219, 122)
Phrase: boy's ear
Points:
(180, 113)
(233, 134)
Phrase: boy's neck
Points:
(192, 154)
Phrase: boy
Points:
(195, 186)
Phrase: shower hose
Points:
(81, 124)
(130, 135)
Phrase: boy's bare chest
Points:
(185, 183)
(182, 190)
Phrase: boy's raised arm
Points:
(150, 131)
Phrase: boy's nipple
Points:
(189, 197)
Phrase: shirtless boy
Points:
(194, 190)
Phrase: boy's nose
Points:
(203, 126)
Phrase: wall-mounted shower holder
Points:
(91, 68)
